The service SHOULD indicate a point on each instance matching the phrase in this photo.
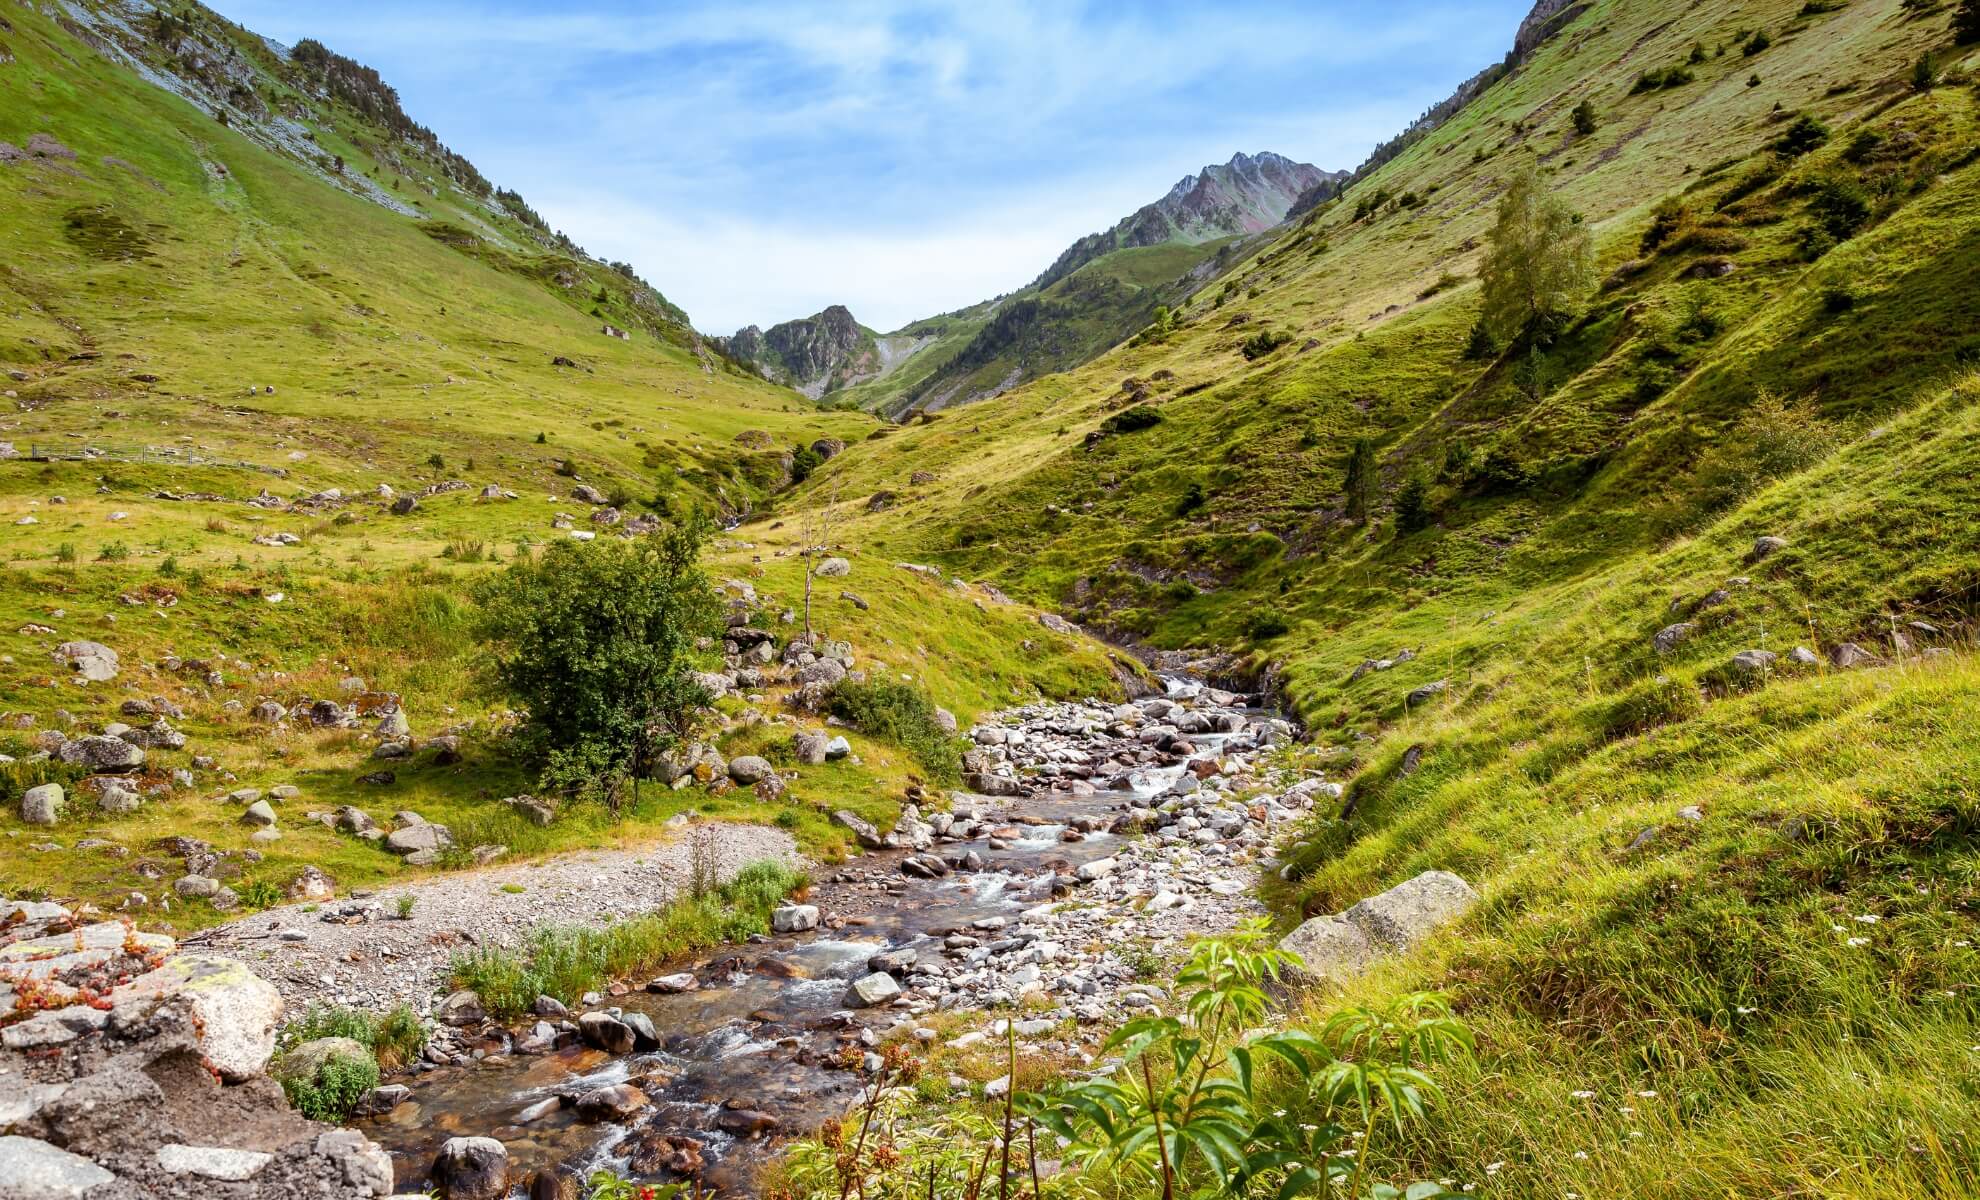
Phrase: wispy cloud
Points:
(902, 157)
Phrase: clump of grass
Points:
(394, 1037)
(566, 961)
(1650, 704)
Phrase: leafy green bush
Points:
(900, 714)
(335, 1091)
(259, 894)
(1775, 438)
(1132, 420)
(1413, 511)
(1839, 203)
(1662, 77)
(1649, 705)
(1265, 625)
(1259, 344)
(804, 460)
(1805, 134)
(1193, 498)
(595, 640)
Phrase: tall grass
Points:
(566, 961)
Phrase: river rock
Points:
(675, 984)
(794, 918)
(462, 1008)
(603, 1031)
(615, 1102)
(472, 1168)
(877, 988)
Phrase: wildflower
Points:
(1583, 1095)
(1636, 1133)
(1647, 1095)
(1857, 941)
(1867, 918)
(1581, 1155)
(1744, 1011)
(1835, 929)
(1627, 1110)
(1494, 1168)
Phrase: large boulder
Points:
(862, 830)
(1341, 945)
(472, 1168)
(748, 769)
(38, 1171)
(614, 1102)
(93, 661)
(413, 839)
(109, 755)
(603, 1031)
(1407, 912)
(877, 988)
(42, 805)
(809, 748)
(234, 1010)
(794, 918)
(833, 568)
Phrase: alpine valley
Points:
(1451, 674)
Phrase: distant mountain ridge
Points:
(1101, 289)
(1248, 194)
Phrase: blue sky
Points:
(760, 161)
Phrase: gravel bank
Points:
(356, 951)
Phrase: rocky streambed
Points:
(1093, 840)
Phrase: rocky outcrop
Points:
(816, 354)
(142, 1074)
(1250, 193)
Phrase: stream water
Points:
(763, 1047)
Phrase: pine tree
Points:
(1360, 482)
(1413, 505)
(1585, 121)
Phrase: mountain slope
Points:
(1099, 291)
(816, 355)
(1729, 902)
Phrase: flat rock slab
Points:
(34, 1170)
(1345, 944)
(212, 1162)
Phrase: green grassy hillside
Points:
(1729, 914)
(191, 316)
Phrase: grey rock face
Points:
(1341, 945)
(35, 1170)
(93, 661)
(1670, 637)
(110, 755)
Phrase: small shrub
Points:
(169, 569)
(1131, 420)
(1585, 120)
(1839, 203)
(1266, 625)
(113, 552)
(1193, 498)
(1649, 705)
(259, 894)
(1413, 505)
(463, 550)
(1755, 44)
(1481, 346)
(436, 462)
(403, 906)
(1838, 298)
(567, 467)
(334, 1094)
(65, 553)
(1259, 344)
(1803, 135)
(1662, 77)
(900, 714)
